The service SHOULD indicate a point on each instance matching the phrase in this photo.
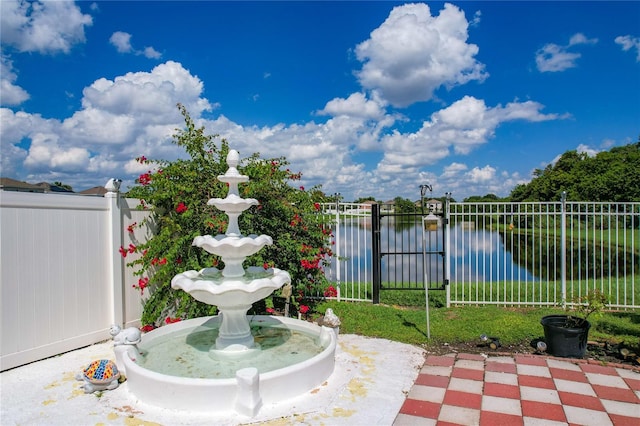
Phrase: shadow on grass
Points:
(410, 324)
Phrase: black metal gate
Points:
(408, 248)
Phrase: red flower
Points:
(170, 320)
(303, 309)
(131, 227)
(301, 188)
(123, 251)
(142, 159)
(271, 310)
(132, 248)
(146, 328)
(316, 206)
(265, 265)
(143, 283)
(181, 207)
(145, 179)
(313, 264)
(331, 292)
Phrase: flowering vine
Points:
(176, 193)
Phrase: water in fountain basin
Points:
(186, 353)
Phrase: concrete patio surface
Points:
(370, 383)
(375, 382)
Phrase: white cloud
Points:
(10, 94)
(120, 119)
(462, 182)
(580, 38)
(412, 54)
(453, 170)
(151, 53)
(461, 127)
(476, 19)
(484, 174)
(356, 105)
(555, 58)
(122, 43)
(44, 27)
(46, 153)
(628, 43)
(586, 149)
(580, 149)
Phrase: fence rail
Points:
(532, 254)
(63, 281)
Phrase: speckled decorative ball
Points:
(101, 372)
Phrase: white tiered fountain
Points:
(229, 361)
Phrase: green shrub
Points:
(177, 193)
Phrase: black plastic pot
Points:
(563, 341)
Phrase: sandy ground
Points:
(368, 386)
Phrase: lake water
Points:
(475, 255)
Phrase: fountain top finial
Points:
(233, 158)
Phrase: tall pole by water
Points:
(563, 248)
(423, 190)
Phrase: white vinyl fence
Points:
(63, 281)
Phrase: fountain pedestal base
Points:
(235, 332)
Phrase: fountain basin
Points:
(246, 392)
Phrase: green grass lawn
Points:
(621, 291)
(401, 317)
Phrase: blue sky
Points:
(364, 98)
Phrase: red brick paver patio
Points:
(466, 389)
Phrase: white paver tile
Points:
(502, 378)
(436, 370)
(584, 416)
(565, 365)
(459, 415)
(470, 364)
(622, 408)
(628, 374)
(533, 370)
(501, 405)
(427, 393)
(606, 380)
(574, 387)
(466, 385)
(407, 420)
(534, 421)
(548, 396)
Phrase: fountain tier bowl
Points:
(245, 392)
(211, 287)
